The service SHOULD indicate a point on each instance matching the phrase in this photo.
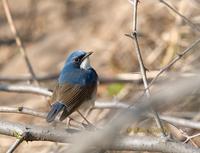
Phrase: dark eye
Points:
(76, 60)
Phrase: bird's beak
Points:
(87, 55)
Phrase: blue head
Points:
(79, 59)
(77, 69)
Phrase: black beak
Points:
(86, 55)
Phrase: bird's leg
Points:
(88, 122)
(69, 123)
(48, 101)
(88, 112)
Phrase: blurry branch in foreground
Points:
(190, 23)
(171, 120)
(139, 143)
(143, 69)
(17, 39)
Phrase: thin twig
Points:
(178, 57)
(22, 110)
(189, 138)
(190, 23)
(17, 39)
(25, 78)
(17, 143)
(141, 63)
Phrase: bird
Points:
(76, 86)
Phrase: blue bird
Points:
(77, 85)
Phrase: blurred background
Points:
(51, 29)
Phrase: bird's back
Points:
(74, 89)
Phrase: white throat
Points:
(85, 64)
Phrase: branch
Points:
(16, 143)
(25, 89)
(135, 143)
(22, 110)
(178, 57)
(181, 122)
(108, 133)
(119, 78)
(190, 23)
(141, 63)
(172, 120)
(27, 78)
(17, 39)
(104, 105)
(46, 92)
(99, 105)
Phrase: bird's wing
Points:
(72, 96)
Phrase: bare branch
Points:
(17, 39)
(178, 57)
(172, 120)
(181, 122)
(189, 138)
(120, 78)
(38, 133)
(99, 105)
(16, 143)
(141, 63)
(110, 131)
(34, 133)
(190, 23)
(104, 105)
(22, 110)
(25, 89)
(110, 105)
(27, 78)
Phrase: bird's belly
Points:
(87, 104)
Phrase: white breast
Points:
(85, 64)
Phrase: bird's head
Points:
(79, 59)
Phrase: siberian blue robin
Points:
(77, 85)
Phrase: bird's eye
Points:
(76, 60)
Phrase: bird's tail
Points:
(55, 109)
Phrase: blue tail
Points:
(55, 109)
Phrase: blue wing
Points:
(71, 97)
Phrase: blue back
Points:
(73, 74)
